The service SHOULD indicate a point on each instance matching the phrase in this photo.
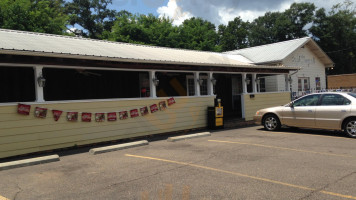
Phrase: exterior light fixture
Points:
(155, 81)
(248, 81)
(213, 81)
(41, 81)
(200, 81)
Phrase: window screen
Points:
(76, 84)
(17, 84)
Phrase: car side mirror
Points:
(291, 105)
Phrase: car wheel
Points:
(271, 123)
(350, 127)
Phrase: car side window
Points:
(334, 100)
(310, 100)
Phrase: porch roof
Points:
(47, 45)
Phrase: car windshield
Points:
(352, 94)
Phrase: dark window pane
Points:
(310, 100)
(352, 94)
(76, 84)
(17, 84)
(334, 99)
(172, 84)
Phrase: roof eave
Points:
(327, 64)
(118, 59)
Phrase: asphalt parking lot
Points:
(245, 163)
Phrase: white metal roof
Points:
(276, 52)
(29, 43)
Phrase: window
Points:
(17, 84)
(334, 100)
(352, 94)
(76, 84)
(303, 84)
(171, 84)
(310, 100)
(317, 83)
(191, 84)
(203, 87)
(262, 85)
(144, 85)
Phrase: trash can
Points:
(216, 116)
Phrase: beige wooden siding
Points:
(263, 100)
(20, 134)
(310, 65)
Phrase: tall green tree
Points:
(145, 29)
(234, 35)
(198, 34)
(280, 26)
(93, 16)
(300, 15)
(335, 32)
(264, 29)
(45, 16)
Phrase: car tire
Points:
(350, 127)
(271, 122)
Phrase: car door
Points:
(332, 110)
(301, 113)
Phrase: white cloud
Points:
(223, 11)
(174, 12)
(229, 14)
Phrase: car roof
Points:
(321, 93)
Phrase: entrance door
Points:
(229, 88)
(303, 84)
(236, 85)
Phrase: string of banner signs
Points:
(25, 109)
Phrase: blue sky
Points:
(139, 6)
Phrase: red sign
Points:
(134, 113)
(72, 116)
(112, 116)
(123, 115)
(171, 101)
(56, 114)
(144, 111)
(86, 117)
(40, 112)
(23, 109)
(162, 105)
(99, 117)
(153, 108)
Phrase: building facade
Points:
(59, 91)
(303, 53)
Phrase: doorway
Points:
(228, 88)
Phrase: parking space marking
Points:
(3, 198)
(244, 175)
(309, 134)
(281, 148)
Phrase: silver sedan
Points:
(330, 110)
